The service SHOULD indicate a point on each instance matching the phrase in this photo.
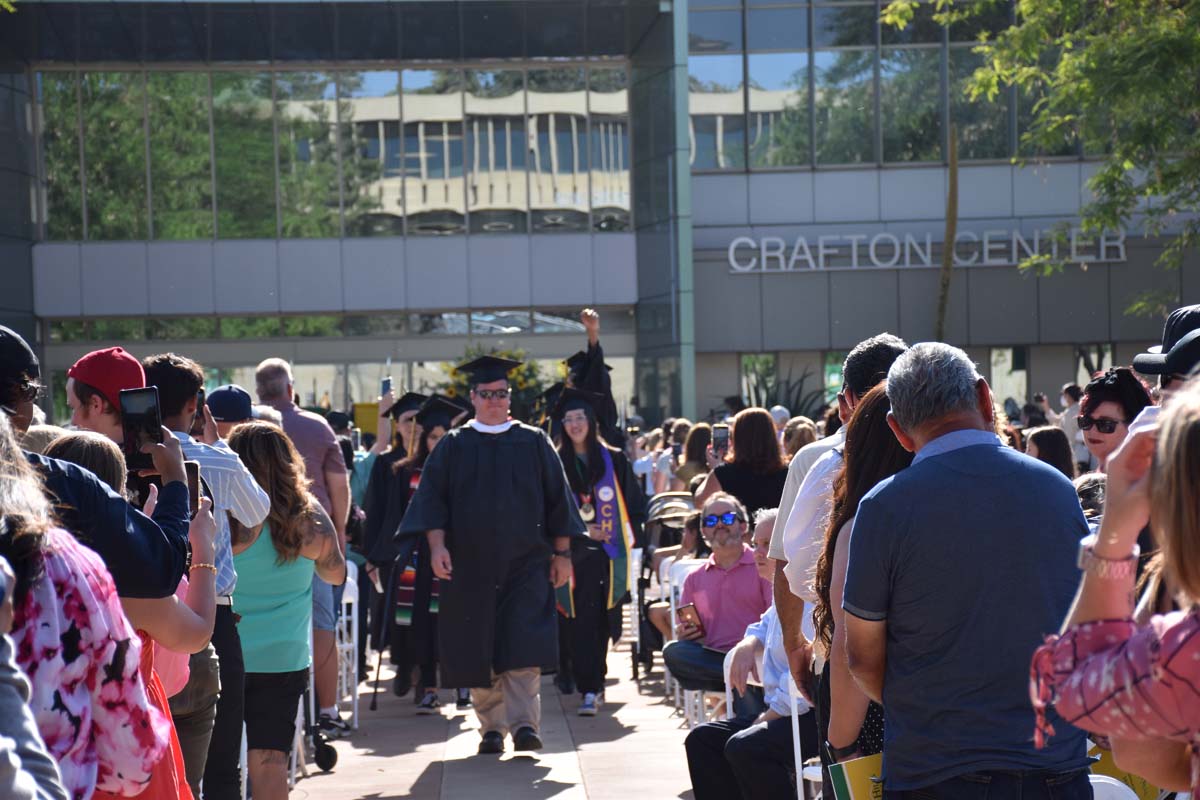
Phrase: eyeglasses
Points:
(574, 418)
(728, 518)
(489, 394)
(1102, 424)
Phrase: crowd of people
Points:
(909, 565)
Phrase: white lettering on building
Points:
(886, 250)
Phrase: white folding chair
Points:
(1106, 788)
(635, 567)
(347, 634)
(244, 765)
(804, 774)
(678, 572)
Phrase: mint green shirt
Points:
(275, 603)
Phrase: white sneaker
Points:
(590, 704)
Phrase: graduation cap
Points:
(409, 402)
(437, 412)
(571, 399)
(577, 362)
(489, 369)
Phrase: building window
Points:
(983, 124)
(910, 100)
(166, 328)
(180, 163)
(244, 142)
(716, 112)
(114, 154)
(59, 106)
(309, 194)
(778, 123)
(608, 105)
(434, 189)
(845, 106)
(497, 184)
(558, 158)
(369, 142)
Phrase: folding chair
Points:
(677, 572)
(347, 634)
(810, 775)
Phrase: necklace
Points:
(587, 511)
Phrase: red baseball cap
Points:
(108, 372)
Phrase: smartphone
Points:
(141, 424)
(676, 449)
(193, 483)
(197, 429)
(687, 615)
(385, 386)
(356, 439)
(720, 438)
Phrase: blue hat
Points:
(230, 403)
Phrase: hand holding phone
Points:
(689, 626)
(720, 439)
(192, 468)
(141, 425)
(166, 459)
(385, 386)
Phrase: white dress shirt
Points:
(798, 470)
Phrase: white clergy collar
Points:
(501, 428)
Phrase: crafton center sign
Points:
(747, 255)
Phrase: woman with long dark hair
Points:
(1049, 443)
(413, 615)
(754, 471)
(611, 503)
(847, 720)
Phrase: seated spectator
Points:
(754, 471)
(798, 433)
(849, 723)
(1049, 443)
(692, 546)
(745, 758)
(275, 562)
(73, 641)
(937, 630)
(1135, 684)
(171, 628)
(728, 595)
(1110, 402)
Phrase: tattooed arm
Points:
(322, 545)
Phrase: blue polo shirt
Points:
(968, 556)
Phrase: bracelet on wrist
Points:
(1104, 567)
(202, 565)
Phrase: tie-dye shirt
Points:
(82, 657)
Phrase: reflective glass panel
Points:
(558, 158)
(844, 25)
(497, 191)
(447, 324)
(181, 328)
(114, 154)
(555, 29)
(306, 115)
(715, 32)
(778, 122)
(983, 125)
(59, 109)
(922, 29)
(608, 100)
(180, 157)
(1066, 145)
(990, 17)
(715, 104)
(500, 323)
(558, 321)
(911, 103)
(245, 155)
(68, 330)
(260, 327)
(777, 29)
(372, 181)
(845, 106)
(323, 325)
(117, 331)
(434, 189)
(376, 324)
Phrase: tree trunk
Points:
(948, 240)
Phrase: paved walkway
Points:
(632, 750)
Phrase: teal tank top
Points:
(275, 603)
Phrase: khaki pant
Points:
(513, 702)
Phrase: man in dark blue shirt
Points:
(959, 566)
(146, 556)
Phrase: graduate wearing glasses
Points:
(498, 516)
(612, 505)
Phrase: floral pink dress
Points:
(82, 659)
(1119, 679)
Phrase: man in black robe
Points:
(495, 507)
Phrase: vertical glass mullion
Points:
(878, 88)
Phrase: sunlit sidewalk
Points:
(632, 750)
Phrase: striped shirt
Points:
(234, 490)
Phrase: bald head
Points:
(273, 380)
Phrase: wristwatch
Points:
(1106, 568)
(836, 754)
(187, 561)
(563, 553)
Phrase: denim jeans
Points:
(697, 668)
(1004, 785)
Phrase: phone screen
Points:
(720, 438)
(193, 482)
(141, 424)
(677, 449)
(385, 386)
(688, 615)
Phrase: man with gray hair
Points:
(959, 566)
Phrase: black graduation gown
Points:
(502, 499)
(593, 377)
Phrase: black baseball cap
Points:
(16, 356)
(1180, 348)
(229, 403)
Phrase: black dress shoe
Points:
(491, 744)
(527, 739)
(564, 684)
(401, 684)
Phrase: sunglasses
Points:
(728, 518)
(1102, 424)
(489, 394)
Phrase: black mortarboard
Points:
(571, 399)
(409, 402)
(338, 420)
(489, 369)
(437, 412)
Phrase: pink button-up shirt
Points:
(1119, 679)
(727, 600)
